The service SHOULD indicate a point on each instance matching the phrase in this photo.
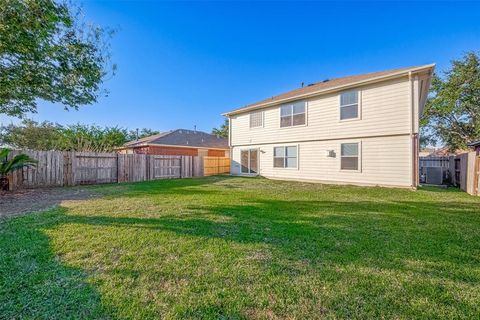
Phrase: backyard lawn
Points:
(234, 248)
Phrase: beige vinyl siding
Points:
(384, 161)
(384, 110)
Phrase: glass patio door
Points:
(249, 161)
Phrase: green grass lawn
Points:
(233, 248)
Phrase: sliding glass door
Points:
(249, 161)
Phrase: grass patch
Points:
(234, 248)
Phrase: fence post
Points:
(67, 169)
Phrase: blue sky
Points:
(183, 64)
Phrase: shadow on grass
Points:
(319, 232)
(437, 241)
(33, 282)
(434, 242)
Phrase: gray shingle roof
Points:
(182, 137)
(324, 86)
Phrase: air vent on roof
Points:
(310, 84)
(326, 80)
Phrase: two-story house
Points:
(359, 129)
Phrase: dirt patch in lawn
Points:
(30, 200)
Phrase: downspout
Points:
(412, 159)
(413, 134)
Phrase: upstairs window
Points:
(349, 105)
(256, 119)
(349, 156)
(285, 157)
(292, 114)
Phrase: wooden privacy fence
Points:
(476, 180)
(94, 168)
(215, 165)
(464, 171)
(57, 168)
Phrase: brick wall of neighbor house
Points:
(216, 153)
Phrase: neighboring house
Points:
(441, 152)
(179, 142)
(476, 146)
(359, 129)
(427, 152)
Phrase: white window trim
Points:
(263, 120)
(297, 126)
(284, 146)
(359, 113)
(359, 170)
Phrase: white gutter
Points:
(412, 152)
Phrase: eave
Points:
(399, 74)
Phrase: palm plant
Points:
(8, 166)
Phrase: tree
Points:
(8, 166)
(47, 52)
(78, 137)
(222, 131)
(144, 132)
(31, 135)
(452, 112)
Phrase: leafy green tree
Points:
(222, 131)
(452, 112)
(91, 138)
(79, 137)
(47, 52)
(31, 135)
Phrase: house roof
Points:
(444, 151)
(181, 137)
(474, 143)
(330, 85)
